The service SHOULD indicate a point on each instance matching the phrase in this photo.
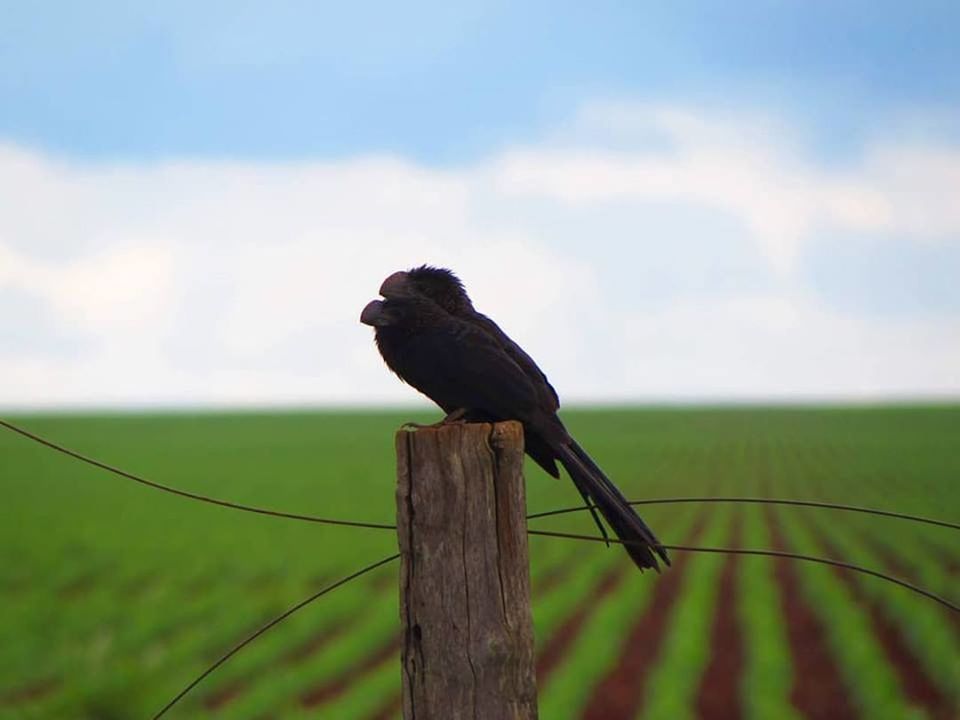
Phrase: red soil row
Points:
(566, 634)
(30, 693)
(312, 645)
(223, 696)
(818, 692)
(719, 694)
(649, 630)
(333, 688)
(389, 709)
(620, 693)
(917, 687)
(897, 566)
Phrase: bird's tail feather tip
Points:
(638, 539)
(642, 547)
(640, 551)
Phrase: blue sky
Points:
(661, 200)
(447, 82)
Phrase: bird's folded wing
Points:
(486, 375)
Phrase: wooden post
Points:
(464, 574)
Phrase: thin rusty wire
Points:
(571, 536)
(770, 553)
(184, 493)
(385, 526)
(276, 621)
(766, 501)
(542, 533)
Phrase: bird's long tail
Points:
(639, 540)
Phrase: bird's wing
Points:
(521, 358)
(484, 375)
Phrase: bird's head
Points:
(376, 314)
(440, 285)
(407, 311)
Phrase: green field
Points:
(114, 596)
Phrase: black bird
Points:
(444, 288)
(430, 335)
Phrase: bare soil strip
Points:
(818, 691)
(901, 568)
(302, 652)
(383, 582)
(336, 686)
(919, 689)
(621, 693)
(390, 709)
(223, 696)
(30, 693)
(80, 586)
(317, 641)
(951, 563)
(719, 694)
(553, 578)
(565, 635)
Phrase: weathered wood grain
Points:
(467, 648)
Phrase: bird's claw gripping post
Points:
(457, 416)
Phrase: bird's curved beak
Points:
(373, 314)
(396, 285)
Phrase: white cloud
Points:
(789, 346)
(750, 168)
(233, 282)
(108, 292)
